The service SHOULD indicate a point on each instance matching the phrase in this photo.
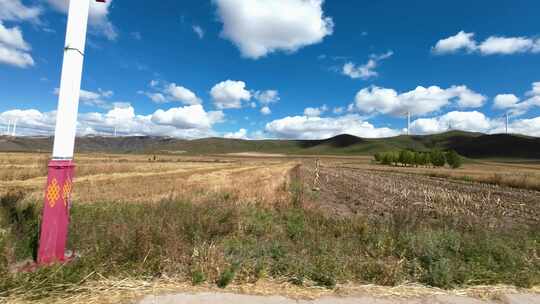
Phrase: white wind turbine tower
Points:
(507, 121)
(408, 122)
(408, 113)
(8, 125)
(14, 131)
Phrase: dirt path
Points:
(346, 191)
(228, 298)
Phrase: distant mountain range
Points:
(472, 145)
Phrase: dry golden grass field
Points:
(140, 178)
(144, 223)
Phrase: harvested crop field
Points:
(344, 190)
(143, 178)
(316, 224)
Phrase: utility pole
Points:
(55, 220)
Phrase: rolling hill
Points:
(472, 145)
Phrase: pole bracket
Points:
(67, 48)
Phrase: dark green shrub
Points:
(402, 157)
(378, 157)
(437, 158)
(197, 277)
(453, 159)
(387, 158)
(226, 277)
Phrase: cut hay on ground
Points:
(107, 291)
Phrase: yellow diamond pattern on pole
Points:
(66, 191)
(53, 193)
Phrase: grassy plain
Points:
(245, 218)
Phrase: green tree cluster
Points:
(408, 158)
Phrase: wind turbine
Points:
(14, 131)
(408, 113)
(8, 126)
(55, 220)
(507, 121)
(408, 122)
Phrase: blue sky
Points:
(278, 69)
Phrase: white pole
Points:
(506, 122)
(8, 127)
(70, 82)
(408, 123)
(14, 128)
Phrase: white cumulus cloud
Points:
(179, 93)
(15, 10)
(240, 134)
(493, 45)
(183, 122)
(13, 48)
(514, 106)
(267, 97)
(419, 101)
(230, 94)
(529, 127)
(94, 99)
(366, 70)
(168, 92)
(535, 90)
(315, 112)
(266, 110)
(475, 122)
(304, 127)
(506, 45)
(261, 27)
(465, 121)
(505, 101)
(99, 20)
(460, 41)
(188, 117)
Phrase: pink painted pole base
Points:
(54, 225)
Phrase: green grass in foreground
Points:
(221, 242)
